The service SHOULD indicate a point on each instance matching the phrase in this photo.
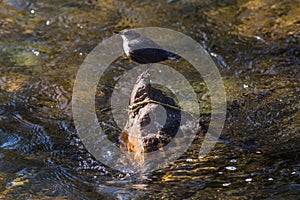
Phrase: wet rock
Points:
(153, 121)
(140, 128)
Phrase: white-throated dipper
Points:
(143, 50)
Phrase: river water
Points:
(255, 45)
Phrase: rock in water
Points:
(153, 120)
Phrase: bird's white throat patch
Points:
(125, 45)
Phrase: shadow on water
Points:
(256, 47)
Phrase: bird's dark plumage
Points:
(143, 50)
(151, 55)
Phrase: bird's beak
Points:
(117, 32)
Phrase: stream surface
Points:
(255, 45)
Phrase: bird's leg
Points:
(148, 66)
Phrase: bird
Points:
(144, 50)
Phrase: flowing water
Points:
(255, 45)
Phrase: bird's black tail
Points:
(173, 56)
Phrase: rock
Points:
(153, 121)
